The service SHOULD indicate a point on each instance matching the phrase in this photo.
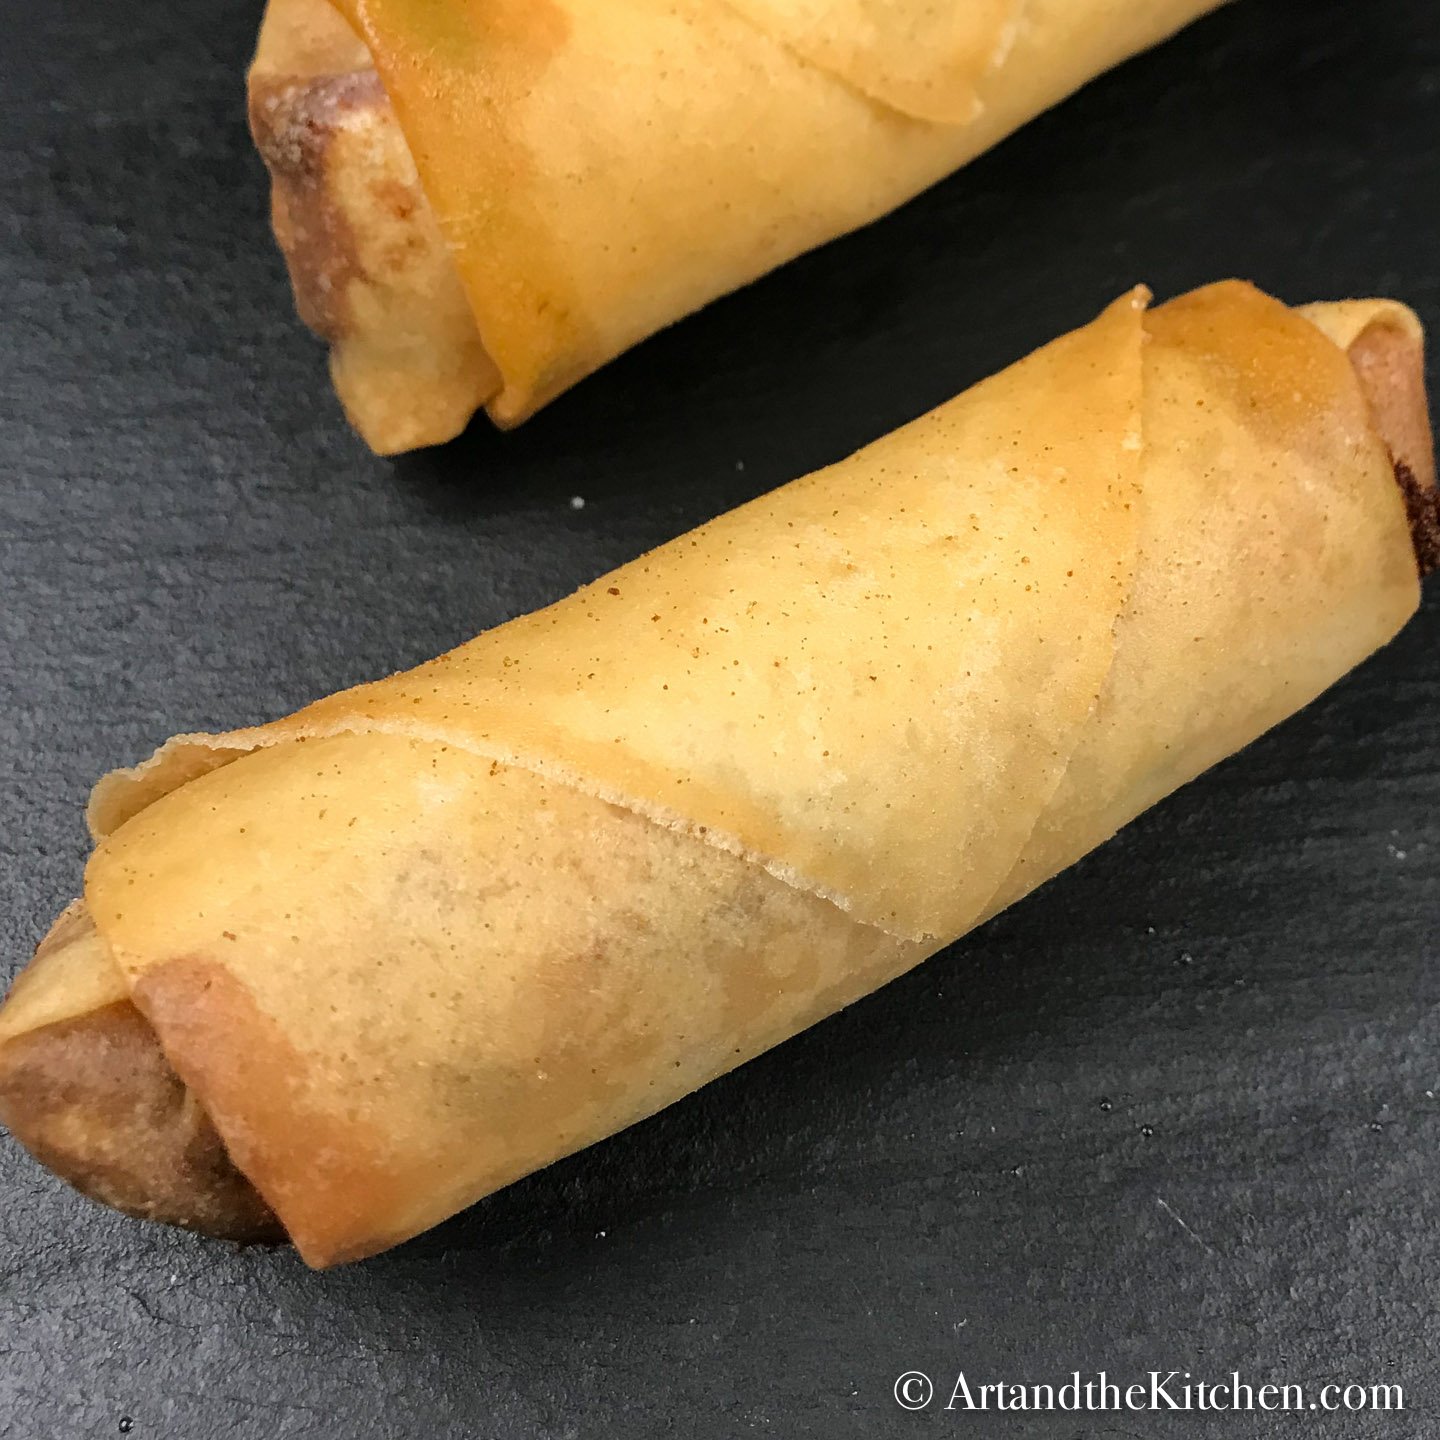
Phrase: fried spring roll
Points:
(345, 973)
(482, 201)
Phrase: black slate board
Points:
(1176, 1111)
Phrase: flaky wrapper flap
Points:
(868, 680)
(938, 62)
(923, 59)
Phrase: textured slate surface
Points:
(1176, 1111)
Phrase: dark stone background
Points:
(190, 537)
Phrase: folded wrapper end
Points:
(1386, 346)
(1390, 361)
(85, 1086)
(371, 273)
(93, 1098)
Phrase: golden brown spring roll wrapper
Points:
(425, 936)
(598, 171)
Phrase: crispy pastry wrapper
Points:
(483, 201)
(429, 934)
